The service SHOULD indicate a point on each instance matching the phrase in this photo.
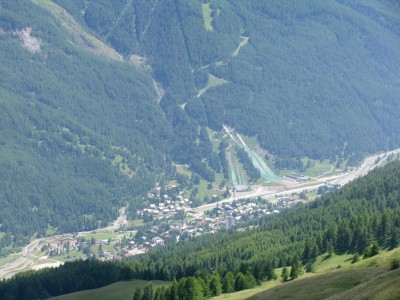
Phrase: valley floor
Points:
(32, 258)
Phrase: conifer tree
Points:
(215, 285)
(296, 269)
(228, 284)
(285, 274)
(270, 272)
(148, 292)
(240, 282)
(138, 294)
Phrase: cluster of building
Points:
(164, 204)
(224, 216)
(174, 221)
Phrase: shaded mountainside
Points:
(98, 97)
(365, 212)
(79, 133)
(311, 78)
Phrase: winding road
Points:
(368, 164)
(27, 258)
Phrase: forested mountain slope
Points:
(79, 132)
(99, 97)
(345, 221)
(307, 78)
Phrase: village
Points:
(170, 218)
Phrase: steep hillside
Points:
(80, 132)
(361, 219)
(311, 78)
(371, 278)
(99, 97)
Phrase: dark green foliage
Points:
(240, 282)
(310, 267)
(148, 292)
(222, 157)
(138, 294)
(215, 285)
(73, 276)
(289, 163)
(371, 250)
(355, 258)
(245, 160)
(315, 78)
(66, 115)
(173, 291)
(318, 80)
(395, 264)
(270, 272)
(190, 289)
(285, 274)
(250, 280)
(277, 242)
(296, 268)
(228, 283)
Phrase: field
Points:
(248, 293)
(320, 287)
(334, 278)
(118, 291)
(7, 259)
(202, 187)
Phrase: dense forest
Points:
(80, 135)
(99, 98)
(312, 78)
(359, 218)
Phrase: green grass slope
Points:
(338, 285)
(123, 290)
(368, 279)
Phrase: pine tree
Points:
(355, 258)
(173, 291)
(138, 294)
(285, 274)
(240, 282)
(270, 272)
(258, 273)
(215, 284)
(330, 249)
(228, 284)
(204, 286)
(371, 250)
(250, 280)
(394, 238)
(148, 292)
(193, 289)
(296, 270)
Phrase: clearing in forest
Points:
(81, 36)
(212, 82)
(207, 11)
(245, 40)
